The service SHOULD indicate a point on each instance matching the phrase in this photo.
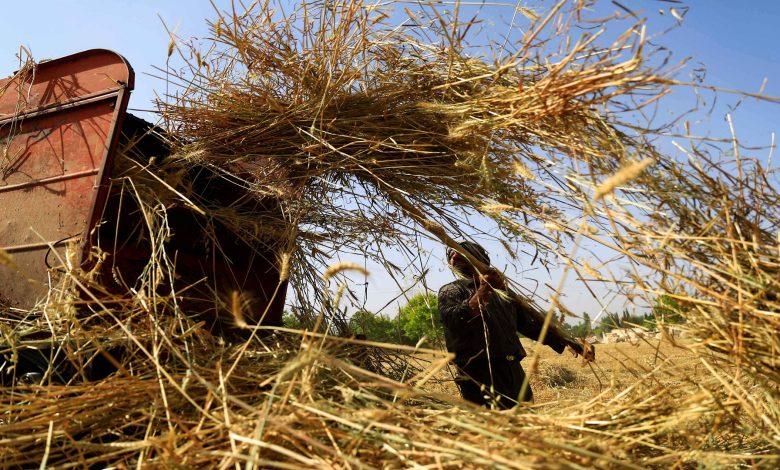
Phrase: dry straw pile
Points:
(373, 130)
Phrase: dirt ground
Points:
(560, 379)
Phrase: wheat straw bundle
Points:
(346, 117)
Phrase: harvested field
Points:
(560, 380)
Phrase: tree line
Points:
(419, 320)
(666, 310)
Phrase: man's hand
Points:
(493, 279)
(480, 298)
(489, 281)
(580, 347)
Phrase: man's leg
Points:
(519, 377)
(471, 382)
(508, 379)
(500, 381)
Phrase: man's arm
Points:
(455, 306)
(530, 323)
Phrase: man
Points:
(480, 328)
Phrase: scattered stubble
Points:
(561, 379)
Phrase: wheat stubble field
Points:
(559, 380)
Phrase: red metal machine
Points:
(59, 127)
(60, 124)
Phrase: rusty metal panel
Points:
(59, 126)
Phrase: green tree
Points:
(610, 321)
(375, 327)
(667, 309)
(583, 329)
(420, 317)
(290, 320)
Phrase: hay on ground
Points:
(368, 135)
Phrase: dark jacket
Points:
(497, 327)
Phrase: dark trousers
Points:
(493, 383)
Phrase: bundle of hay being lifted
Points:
(368, 131)
(365, 130)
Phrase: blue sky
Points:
(736, 42)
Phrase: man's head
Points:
(460, 263)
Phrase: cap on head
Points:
(474, 249)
